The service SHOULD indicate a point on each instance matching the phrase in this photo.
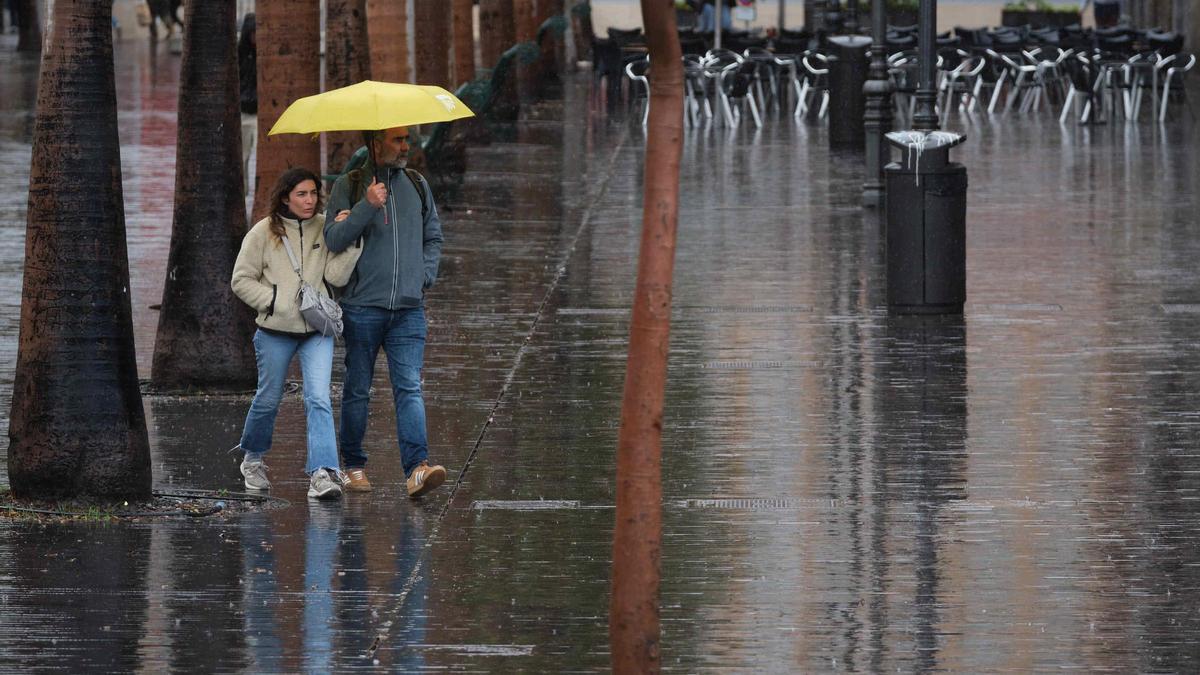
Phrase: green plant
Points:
(1040, 6)
(904, 5)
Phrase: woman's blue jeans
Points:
(401, 334)
(274, 353)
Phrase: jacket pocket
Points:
(274, 294)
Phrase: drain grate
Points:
(751, 309)
(1180, 308)
(478, 650)
(743, 365)
(760, 504)
(1017, 307)
(593, 311)
(524, 505)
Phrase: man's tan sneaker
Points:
(425, 478)
(356, 481)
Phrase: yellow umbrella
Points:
(369, 106)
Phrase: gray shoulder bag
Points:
(321, 314)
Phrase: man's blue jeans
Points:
(274, 352)
(401, 334)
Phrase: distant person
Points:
(383, 305)
(266, 278)
(247, 49)
(166, 11)
(708, 18)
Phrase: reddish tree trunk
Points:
(387, 34)
(525, 21)
(347, 62)
(204, 332)
(30, 37)
(289, 67)
(432, 49)
(553, 46)
(496, 30)
(637, 537)
(77, 426)
(464, 41)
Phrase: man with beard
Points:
(397, 225)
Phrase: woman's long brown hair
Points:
(283, 187)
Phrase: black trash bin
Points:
(848, 66)
(1107, 12)
(926, 225)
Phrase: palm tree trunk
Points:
(30, 37)
(289, 67)
(347, 62)
(554, 47)
(497, 30)
(637, 537)
(525, 22)
(77, 427)
(433, 47)
(204, 332)
(464, 41)
(387, 29)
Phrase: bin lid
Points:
(851, 41)
(922, 141)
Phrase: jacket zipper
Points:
(274, 293)
(395, 240)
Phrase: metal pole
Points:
(818, 17)
(717, 5)
(878, 118)
(851, 24)
(782, 21)
(925, 118)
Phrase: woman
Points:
(265, 279)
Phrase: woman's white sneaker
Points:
(255, 474)
(322, 485)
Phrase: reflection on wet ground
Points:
(1013, 490)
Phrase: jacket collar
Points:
(292, 223)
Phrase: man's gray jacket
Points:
(401, 248)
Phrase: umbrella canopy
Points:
(369, 106)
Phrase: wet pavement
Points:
(1014, 490)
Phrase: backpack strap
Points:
(418, 182)
(357, 187)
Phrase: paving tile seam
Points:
(390, 617)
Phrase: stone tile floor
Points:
(1012, 490)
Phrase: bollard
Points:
(848, 68)
(926, 225)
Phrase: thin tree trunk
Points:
(347, 62)
(204, 332)
(525, 21)
(30, 37)
(496, 30)
(464, 41)
(387, 33)
(289, 67)
(432, 50)
(77, 427)
(553, 45)
(637, 537)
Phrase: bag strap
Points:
(292, 256)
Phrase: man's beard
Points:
(396, 163)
